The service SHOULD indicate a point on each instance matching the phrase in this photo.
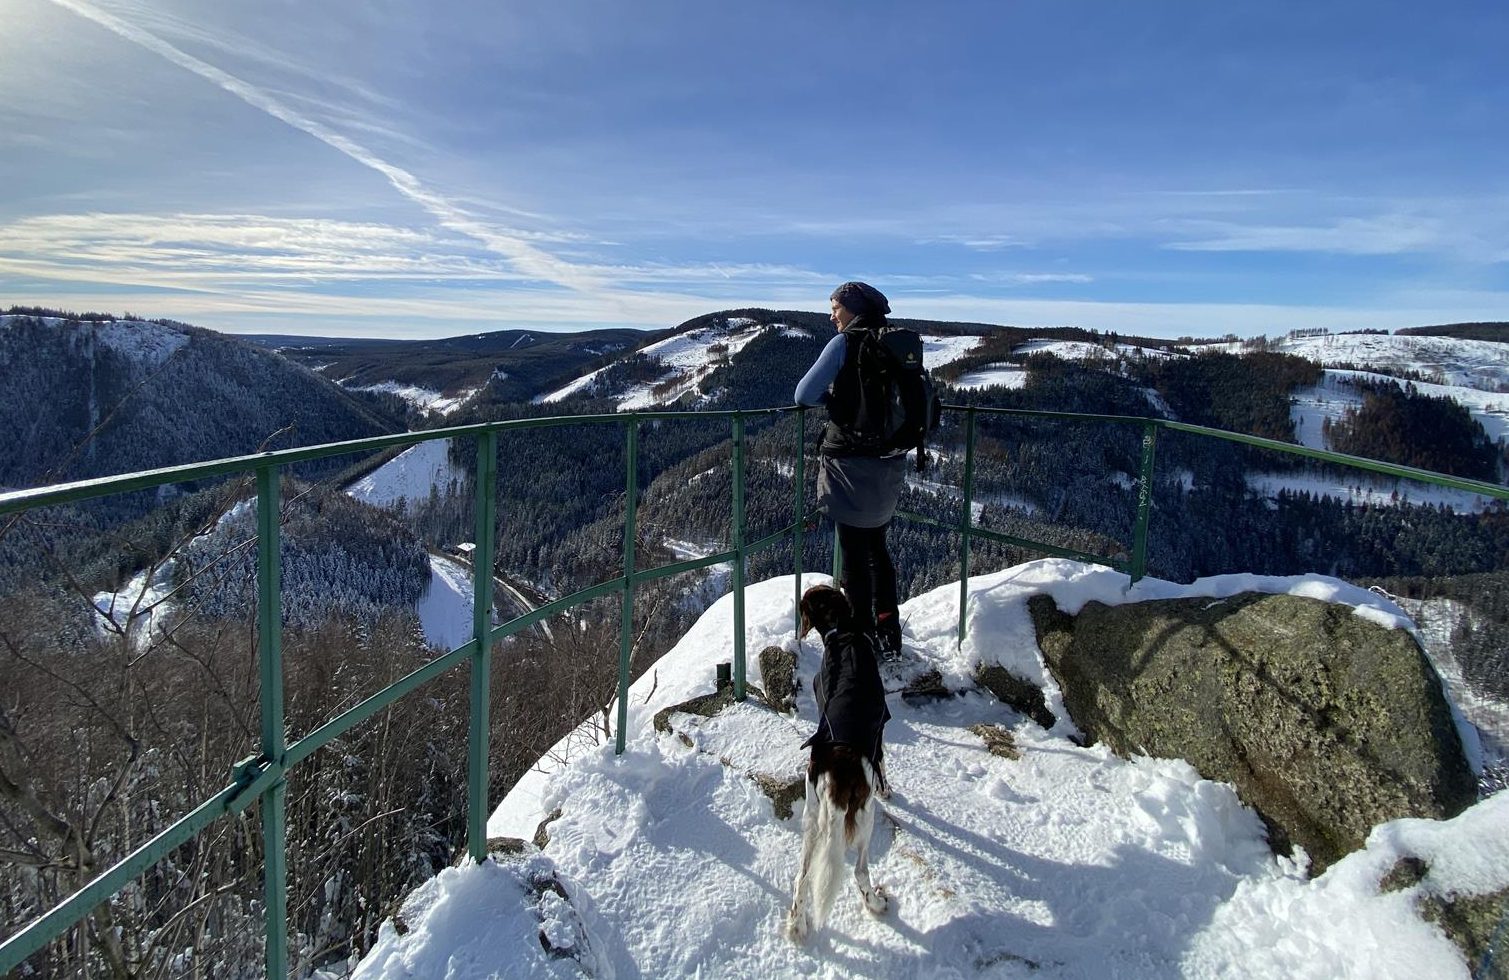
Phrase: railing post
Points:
(485, 533)
(1144, 502)
(626, 617)
(838, 555)
(739, 557)
(800, 516)
(270, 659)
(966, 522)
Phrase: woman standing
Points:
(857, 486)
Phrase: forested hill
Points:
(87, 397)
(500, 366)
(1498, 332)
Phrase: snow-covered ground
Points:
(994, 376)
(445, 608)
(1069, 350)
(940, 350)
(1068, 862)
(1361, 487)
(1080, 350)
(689, 357)
(410, 476)
(1478, 364)
(140, 610)
(425, 399)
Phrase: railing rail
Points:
(263, 777)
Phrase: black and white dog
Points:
(844, 772)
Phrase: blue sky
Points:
(407, 169)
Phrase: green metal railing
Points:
(263, 777)
(1135, 566)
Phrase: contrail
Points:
(526, 258)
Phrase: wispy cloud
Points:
(1348, 236)
(1028, 278)
(246, 252)
(526, 257)
(978, 243)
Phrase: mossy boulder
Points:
(778, 673)
(1326, 723)
(1015, 692)
(1477, 924)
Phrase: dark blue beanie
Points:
(860, 298)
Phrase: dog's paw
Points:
(878, 901)
(798, 927)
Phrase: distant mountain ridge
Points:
(501, 366)
(93, 397)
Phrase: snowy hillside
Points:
(1478, 364)
(690, 356)
(1079, 350)
(422, 398)
(1066, 862)
(410, 476)
(1333, 395)
(148, 344)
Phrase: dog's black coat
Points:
(850, 694)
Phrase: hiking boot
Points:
(888, 634)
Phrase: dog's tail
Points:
(849, 786)
(839, 788)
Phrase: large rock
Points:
(1326, 723)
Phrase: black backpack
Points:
(894, 406)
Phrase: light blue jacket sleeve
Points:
(813, 388)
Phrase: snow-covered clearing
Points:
(940, 350)
(1082, 350)
(1477, 364)
(1068, 862)
(425, 399)
(410, 476)
(143, 609)
(445, 608)
(688, 357)
(1364, 488)
(994, 376)
(140, 610)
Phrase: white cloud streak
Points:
(230, 251)
(526, 258)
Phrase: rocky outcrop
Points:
(998, 740)
(1014, 692)
(778, 673)
(1326, 723)
(1475, 923)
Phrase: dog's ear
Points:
(811, 609)
(824, 607)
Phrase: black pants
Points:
(869, 577)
